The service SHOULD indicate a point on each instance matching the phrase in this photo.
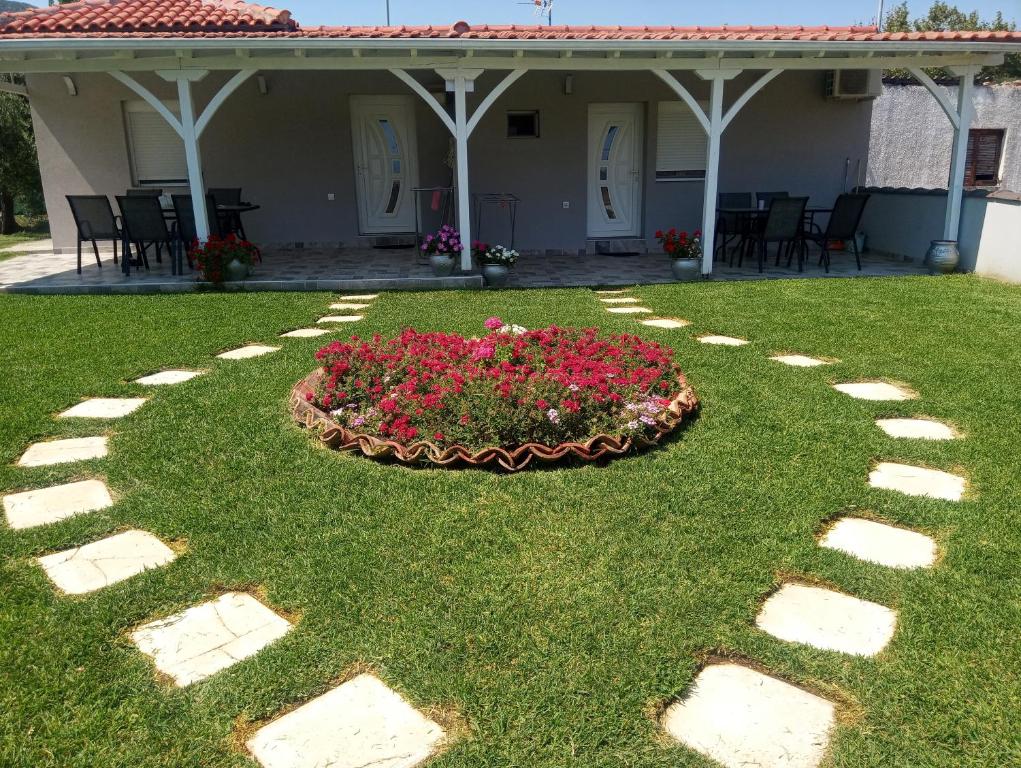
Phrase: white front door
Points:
(615, 140)
(386, 162)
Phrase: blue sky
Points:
(680, 12)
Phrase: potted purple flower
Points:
(443, 248)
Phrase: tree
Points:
(943, 17)
(19, 167)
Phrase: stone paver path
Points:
(618, 300)
(340, 319)
(103, 408)
(745, 719)
(192, 645)
(874, 390)
(248, 351)
(917, 429)
(349, 305)
(665, 322)
(826, 619)
(49, 505)
(63, 451)
(167, 377)
(629, 310)
(917, 481)
(723, 341)
(880, 544)
(304, 333)
(799, 361)
(365, 297)
(358, 724)
(105, 562)
(611, 293)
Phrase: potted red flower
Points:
(685, 252)
(223, 258)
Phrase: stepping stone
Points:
(167, 377)
(63, 451)
(873, 390)
(243, 353)
(611, 293)
(105, 562)
(103, 408)
(917, 429)
(366, 297)
(726, 341)
(58, 502)
(826, 619)
(359, 723)
(881, 544)
(340, 319)
(799, 361)
(192, 645)
(304, 333)
(349, 305)
(917, 481)
(628, 310)
(665, 322)
(619, 300)
(744, 719)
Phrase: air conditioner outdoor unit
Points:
(854, 84)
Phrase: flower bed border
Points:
(337, 437)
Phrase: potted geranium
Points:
(496, 261)
(443, 248)
(685, 252)
(223, 258)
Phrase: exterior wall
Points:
(904, 223)
(912, 137)
(292, 147)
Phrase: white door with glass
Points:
(615, 139)
(386, 162)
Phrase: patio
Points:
(314, 269)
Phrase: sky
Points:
(678, 12)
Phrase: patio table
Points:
(760, 213)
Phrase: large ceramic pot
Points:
(496, 274)
(442, 264)
(236, 270)
(943, 256)
(686, 269)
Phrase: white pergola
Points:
(461, 60)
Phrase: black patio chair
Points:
(229, 222)
(843, 225)
(783, 225)
(94, 220)
(144, 226)
(144, 192)
(763, 199)
(185, 232)
(732, 225)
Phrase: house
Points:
(603, 134)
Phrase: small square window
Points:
(523, 125)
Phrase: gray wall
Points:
(912, 137)
(291, 148)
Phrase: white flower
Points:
(553, 416)
(517, 330)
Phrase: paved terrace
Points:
(45, 272)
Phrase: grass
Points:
(551, 612)
(32, 229)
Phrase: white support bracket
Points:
(940, 95)
(745, 97)
(150, 99)
(221, 96)
(685, 95)
(491, 98)
(405, 77)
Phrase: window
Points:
(523, 125)
(985, 148)
(155, 150)
(681, 144)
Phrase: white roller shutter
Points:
(157, 152)
(681, 143)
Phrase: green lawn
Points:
(549, 612)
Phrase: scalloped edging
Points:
(337, 437)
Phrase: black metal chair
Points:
(842, 225)
(732, 225)
(784, 225)
(144, 226)
(94, 220)
(763, 199)
(231, 221)
(144, 192)
(185, 232)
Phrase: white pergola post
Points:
(958, 158)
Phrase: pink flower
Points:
(494, 323)
(484, 352)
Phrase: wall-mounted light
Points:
(260, 81)
(72, 89)
(569, 85)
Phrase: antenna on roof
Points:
(388, 13)
(879, 17)
(542, 8)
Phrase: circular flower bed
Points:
(503, 399)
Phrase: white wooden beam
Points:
(745, 97)
(463, 192)
(491, 98)
(940, 95)
(429, 99)
(150, 99)
(685, 96)
(965, 113)
(712, 168)
(221, 96)
(193, 157)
